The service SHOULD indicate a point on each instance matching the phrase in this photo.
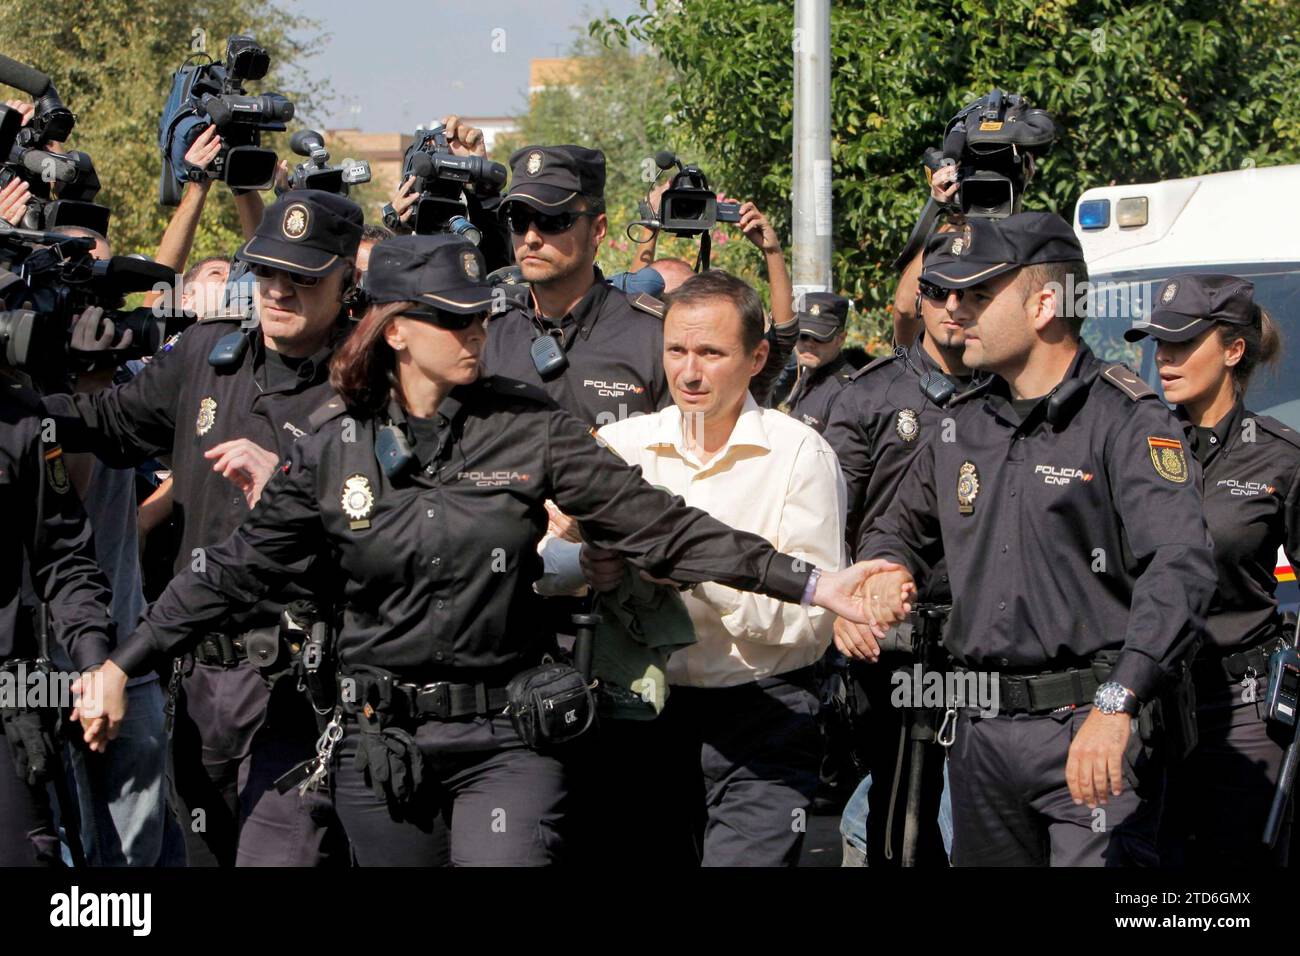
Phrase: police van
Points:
(1238, 223)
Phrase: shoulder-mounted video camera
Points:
(991, 141)
(441, 179)
(24, 154)
(214, 93)
(316, 173)
(688, 207)
(48, 279)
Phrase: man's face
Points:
(545, 257)
(941, 327)
(998, 323)
(812, 353)
(705, 360)
(204, 293)
(292, 315)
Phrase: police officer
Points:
(875, 427)
(424, 482)
(48, 539)
(823, 371)
(1069, 512)
(227, 403)
(1210, 336)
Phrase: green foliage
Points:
(112, 62)
(1143, 91)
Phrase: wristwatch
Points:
(810, 588)
(1114, 698)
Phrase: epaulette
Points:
(1127, 381)
(1278, 430)
(330, 410)
(874, 363)
(647, 303)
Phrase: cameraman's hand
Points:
(204, 149)
(403, 201)
(657, 194)
(757, 229)
(90, 334)
(464, 140)
(28, 110)
(943, 183)
(13, 201)
(281, 181)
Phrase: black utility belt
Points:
(441, 700)
(1233, 667)
(1046, 692)
(259, 646)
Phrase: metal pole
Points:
(811, 212)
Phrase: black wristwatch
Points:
(1114, 698)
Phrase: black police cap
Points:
(823, 315)
(305, 230)
(985, 248)
(550, 178)
(1187, 305)
(440, 271)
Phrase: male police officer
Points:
(823, 370)
(876, 426)
(1069, 513)
(227, 403)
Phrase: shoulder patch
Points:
(330, 410)
(873, 364)
(1278, 430)
(1127, 381)
(649, 304)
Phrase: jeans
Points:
(853, 822)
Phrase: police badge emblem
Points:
(534, 163)
(968, 487)
(907, 425)
(814, 309)
(470, 263)
(207, 416)
(1167, 296)
(958, 245)
(294, 225)
(358, 501)
(1168, 458)
(56, 471)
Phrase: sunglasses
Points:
(297, 278)
(520, 217)
(937, 293)
(453, 321)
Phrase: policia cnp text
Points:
(423, 484)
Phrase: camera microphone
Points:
(308, 142)
(664, 159)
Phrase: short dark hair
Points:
(372, 232)
(716, 284)
(1066, 276)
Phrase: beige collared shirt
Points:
(775, 477)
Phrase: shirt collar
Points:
(315, 369)
(1228, 426)
(1082, 365)
(747, 432)
(582, 317)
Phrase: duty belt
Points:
(227, 650)
(1044, 693)
(441, 700)
(1233, 667)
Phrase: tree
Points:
(112, 63)
(1142, 90)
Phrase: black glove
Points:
(34, 748)
(392, 763)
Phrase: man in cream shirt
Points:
(743, 702)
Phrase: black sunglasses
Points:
(297, 278)
(937, 293)
(454, 321)
(521, 216)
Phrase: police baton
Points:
(585, 643)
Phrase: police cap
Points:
(442, 272)
(1187, 305)
(985, 248)
(551, 178)
(307, 231)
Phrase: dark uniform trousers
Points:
(232, 739)
(486, 800)
(1220, 796)
(28, 836)
(1011, 805)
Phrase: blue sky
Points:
(395, 64)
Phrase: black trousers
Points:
(1011, 805)
(486, 800)
(28, 836)
(232, 738)
(1219, 797)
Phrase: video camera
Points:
(47, 280)
(214, 93)
(24, 155)
(315, 174)
(441, 177)
(991, 141)
(689, 207)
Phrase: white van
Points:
(1244, 223)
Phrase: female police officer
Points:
(1210, 336)
(424, 483)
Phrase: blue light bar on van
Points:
(1094, 214)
